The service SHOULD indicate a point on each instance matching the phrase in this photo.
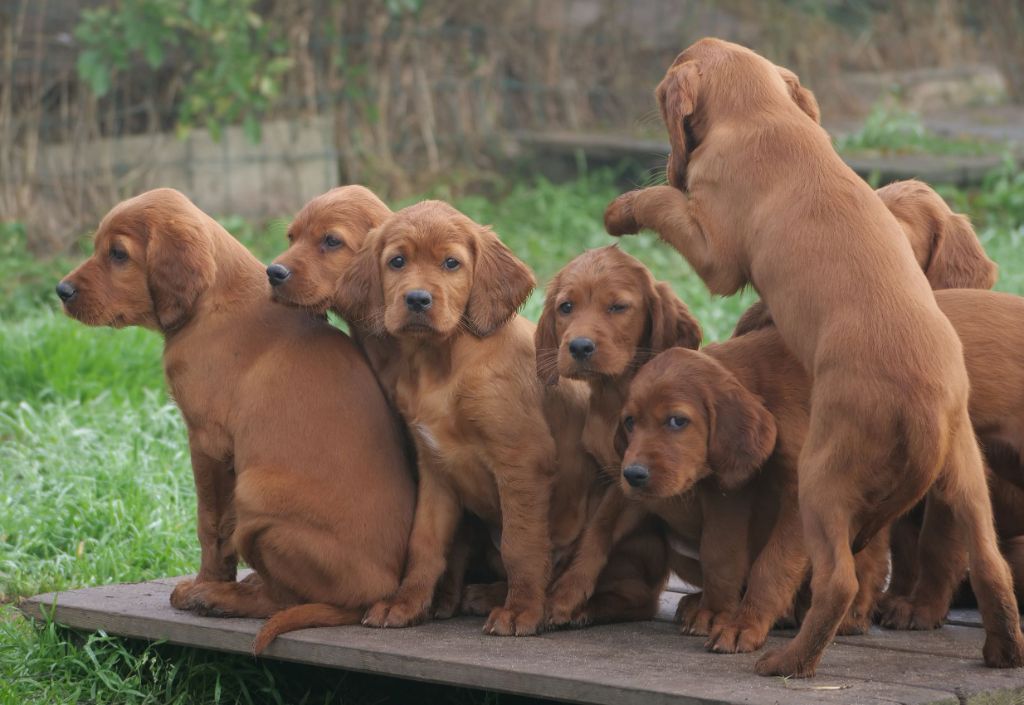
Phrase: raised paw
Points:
(505, 621)
(392, 615)
(783, 662)
(735, 637)
(901, 613)
(1003, 652)
(619, 218)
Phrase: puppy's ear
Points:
(958, 261)
(620, 441)
(545, 340)
(359, 295)
(754, 318)
(742, 434)
(179, 262)
(803, 97)
(677, 99)
(671, 323)
(501, 283)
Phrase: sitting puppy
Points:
(489, 440)
(604, 316)
(284, 419)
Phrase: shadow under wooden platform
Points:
(646, 662)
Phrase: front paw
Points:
(478, 599)
(507, 621)
(1002, 652)
(854, 623)
(388, 614)
(619, 216)
(693, 618)
(180, 594)
(736, 636)
(565, 606)
(784, 662)
(901, 613)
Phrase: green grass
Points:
(891, 129)
(95, 485)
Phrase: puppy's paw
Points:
(1003, 652)
(445, 606)
(180, 594)
(901, 613)
(506, 621)
(784, 662)
(854, 623)
(694, 619)
(479, 599)
(565, 606)
(731, 636)
(388, 614)
(619, 217)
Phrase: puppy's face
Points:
(686, 418)
(604, 314)
(109, 288)
(152, 257)
(324, 239)
(665, 427)
(430, 271)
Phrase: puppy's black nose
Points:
(582, 348)
(66, 291)
(277, 274)
(636, 475)
(418, 300)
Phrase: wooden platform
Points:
(619, 664)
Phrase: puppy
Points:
(284, 420)
(890, 389)
(604, 315)
(489, 440)
(944, 244)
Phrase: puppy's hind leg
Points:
(963, 486)
(248, 598)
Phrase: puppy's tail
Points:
(302, 617)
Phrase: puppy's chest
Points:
(682, 518)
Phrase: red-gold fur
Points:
(890, 389)
(490, 440)
(297, 459)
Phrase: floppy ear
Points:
(671, 323)
(800, 95)
(501, 283)
(545, 340)
(754, 318)
(677, 98)
(359, 295)
(958, 261)
(742, 434)
(179, 264)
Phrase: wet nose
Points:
(582, 348)
(66, 291)
(418, 300)
(278, 274)
(636, 475)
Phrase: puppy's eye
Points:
(332, 241)
(617, 308)
(118, 255)
(451, 264)
(396, 262)
(677, 423)
(628, 424)
(565, 307)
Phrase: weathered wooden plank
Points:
(647, 662)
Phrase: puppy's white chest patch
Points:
(428, 437)
(683, 547)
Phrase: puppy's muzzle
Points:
(418, 300)
(278, 274)
(582, 349)
(636, 475)
(66, 291)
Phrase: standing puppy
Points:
(889, 416)
(297, 459)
